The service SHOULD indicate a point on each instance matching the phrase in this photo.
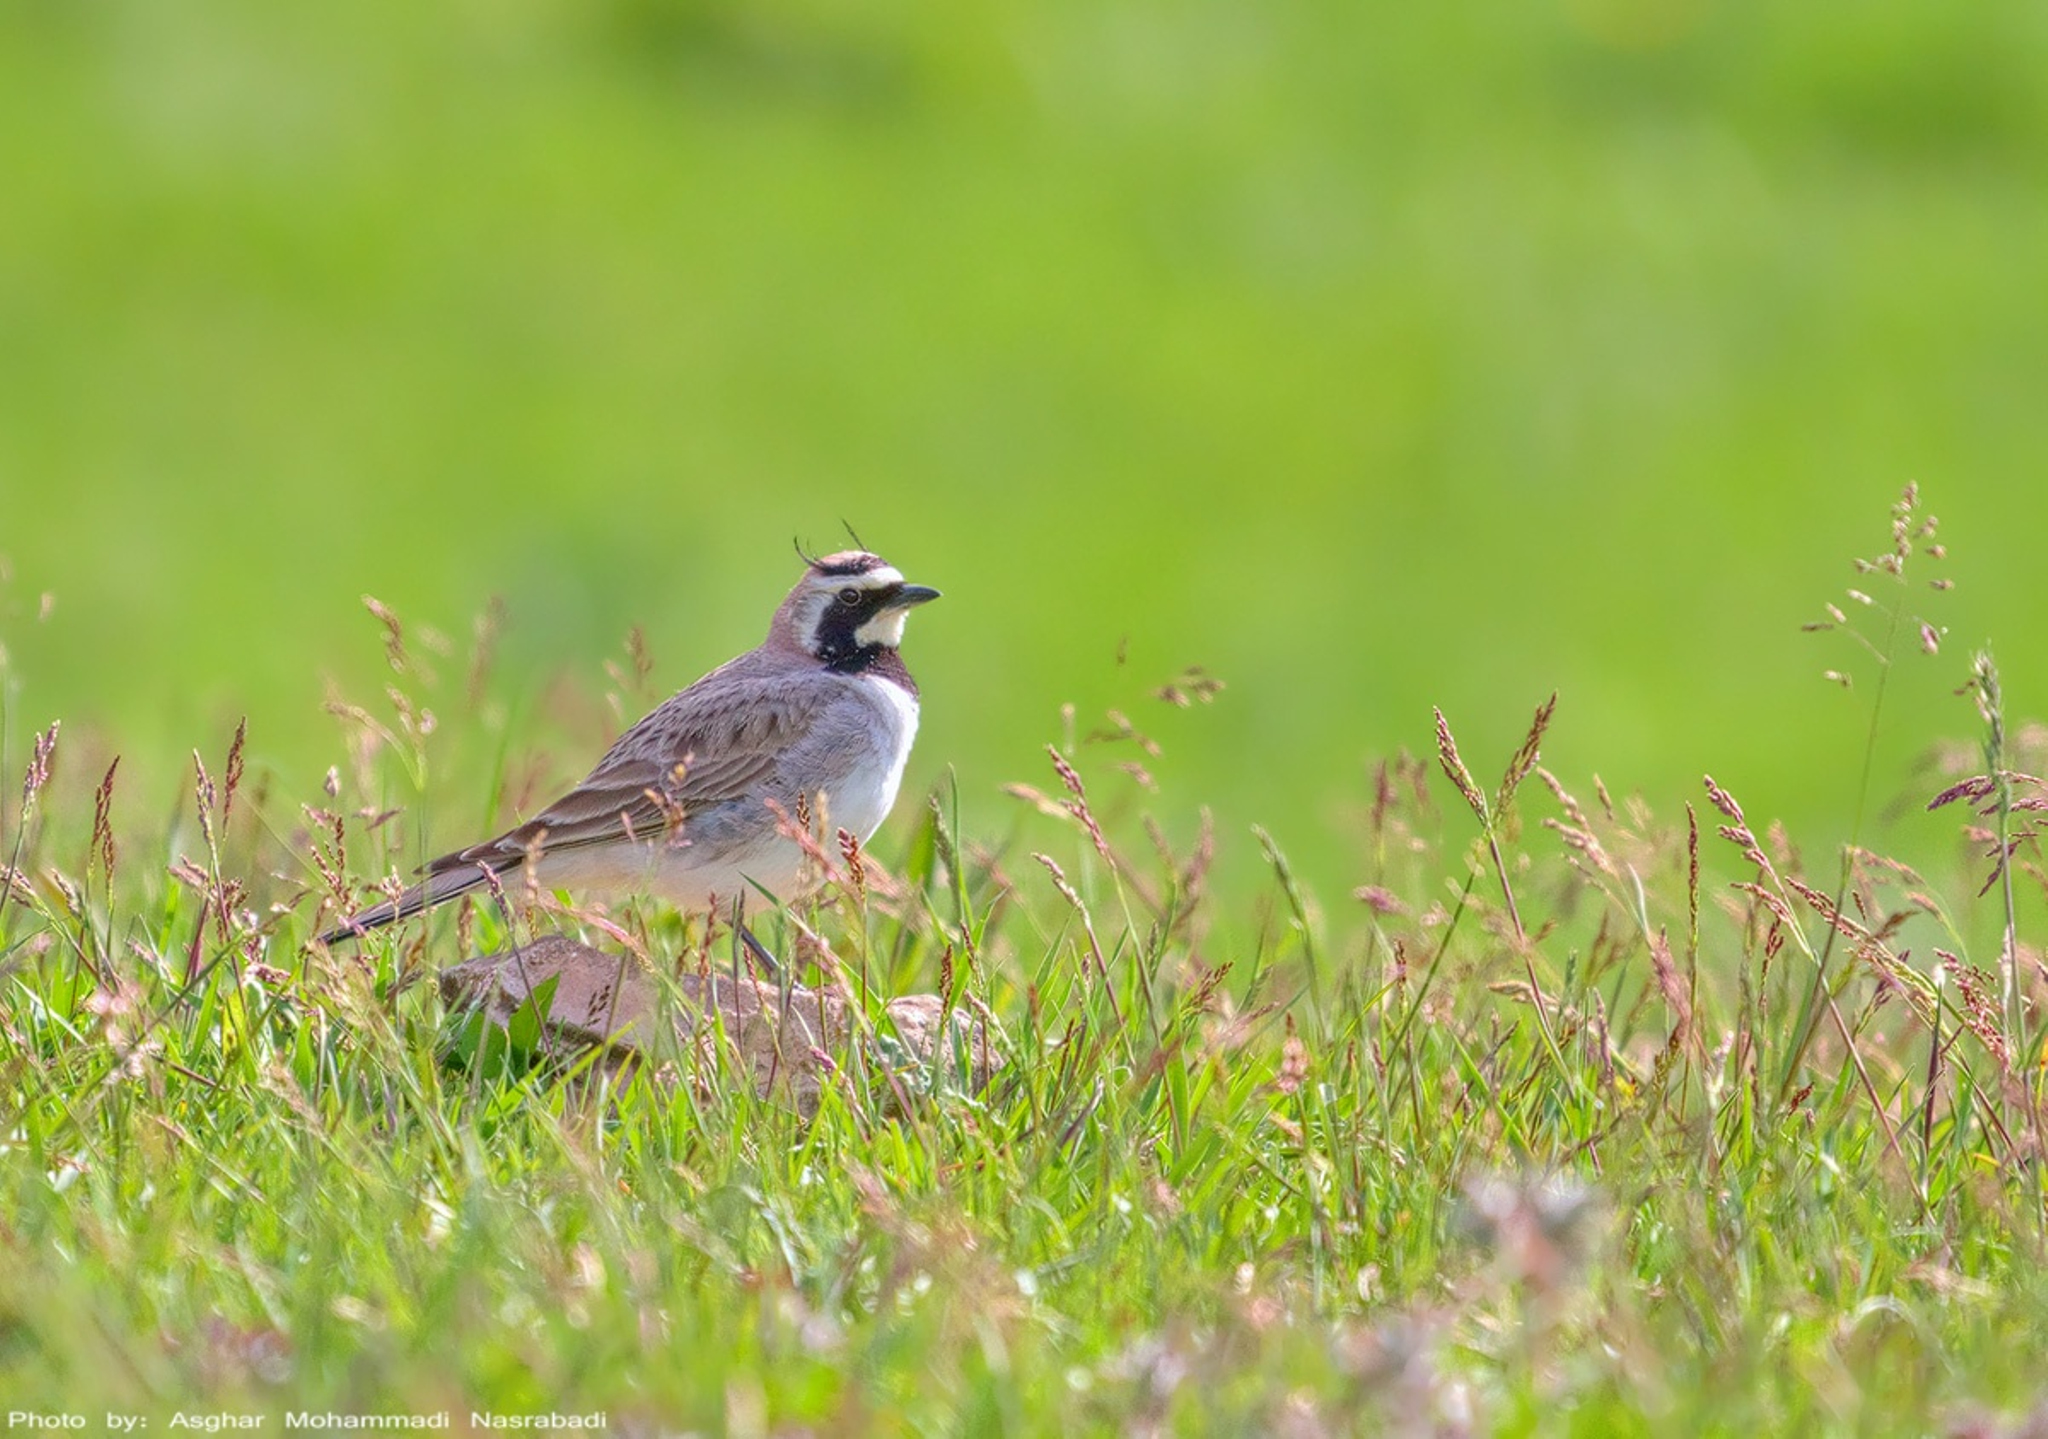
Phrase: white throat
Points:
(885, 628)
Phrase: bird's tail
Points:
(446, 884)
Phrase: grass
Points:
(1574, 1118)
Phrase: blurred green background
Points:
(1371, 357)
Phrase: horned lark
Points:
(817, 722)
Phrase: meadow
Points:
(1573, 1118)
(1290, 400)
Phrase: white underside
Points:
(863, 799)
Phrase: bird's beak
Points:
(910, 595)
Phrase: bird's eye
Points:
(849, 597)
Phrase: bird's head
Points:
(847, 607)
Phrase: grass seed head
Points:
(1454, 767)
(1078, 806)
(102, 844)
(1525, 758)
(856, 870)
(394, 632)
(233, 780)
(38, 774)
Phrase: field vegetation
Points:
(1290, 399)
(1573, 1117)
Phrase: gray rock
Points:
(789, 1037)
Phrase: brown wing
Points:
(712, 743)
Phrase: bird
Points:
(694, 804)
